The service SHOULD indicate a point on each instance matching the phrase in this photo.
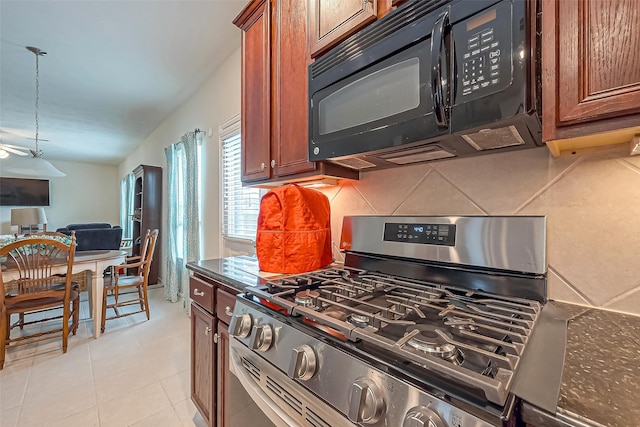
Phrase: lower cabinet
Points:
(224, 376)
(212, 385)
(203, 362)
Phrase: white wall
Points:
(217, 100)
(89, 193)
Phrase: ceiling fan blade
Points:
(17, 147)
(10, 149)
(19, 135)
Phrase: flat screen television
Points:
(24, 192)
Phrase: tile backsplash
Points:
(592, 204)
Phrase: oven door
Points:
(388, 94)
(279, 397)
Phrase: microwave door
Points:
(384, 105)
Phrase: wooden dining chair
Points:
(128, 285)
(38, 288)
(75, 286)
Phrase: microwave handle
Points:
(437, 42)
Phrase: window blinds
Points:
(240, 204)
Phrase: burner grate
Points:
(480, 336)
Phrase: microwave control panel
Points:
(484, 52)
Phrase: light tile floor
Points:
(135, 374)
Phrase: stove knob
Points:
(366, 404)
(240, 325)
(303, 363)
(262, 337)
(422, 416)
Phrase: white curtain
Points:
(183, 219)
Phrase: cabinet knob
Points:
(273, 164)
(207, 330)
(262, 166)
(228, 311)
(198, 293)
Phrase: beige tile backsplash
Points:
(592, 204)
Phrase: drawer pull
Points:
(227, 311)
(198, 293)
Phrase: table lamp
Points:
(29, 218)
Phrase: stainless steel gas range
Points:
(426, 324)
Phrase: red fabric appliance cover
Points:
(294, 230)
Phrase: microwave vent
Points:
(416, 155)
(354, 163)
(489, 139)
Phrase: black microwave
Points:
(434, 79)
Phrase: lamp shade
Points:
(34, 167)
(28, 216)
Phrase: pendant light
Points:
(35, 166)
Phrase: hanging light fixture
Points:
(35, 166)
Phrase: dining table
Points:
(95, 261)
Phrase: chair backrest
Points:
(53, 233)
(34, 258)
(148, 247)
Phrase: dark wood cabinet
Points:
(203, 363)
(256, 92)
(147, 212)
(212, 385)
(332, 21)
(590, 72)
(224, 376)
(274, 95)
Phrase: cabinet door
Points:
(256, 92)
(591, 66)
(224, 377)
(290, 130)
(331, 21)
(203, 363)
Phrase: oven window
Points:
(384, 93)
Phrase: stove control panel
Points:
(426, 234)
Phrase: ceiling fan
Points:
(5, 149)
(35, 166)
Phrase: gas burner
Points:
(460, 323)
(359, 320)
(306, 298)
(427, 340)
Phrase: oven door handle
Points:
(437, 56)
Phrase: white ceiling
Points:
(115, 69)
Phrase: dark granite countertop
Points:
(601, 377)
(238, 272)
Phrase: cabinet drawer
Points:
(202, 293)
(225, 302)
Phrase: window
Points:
(240, 204)
(126, 208)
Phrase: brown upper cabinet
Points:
(590, 73)
(274, 95)
(331, 21)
